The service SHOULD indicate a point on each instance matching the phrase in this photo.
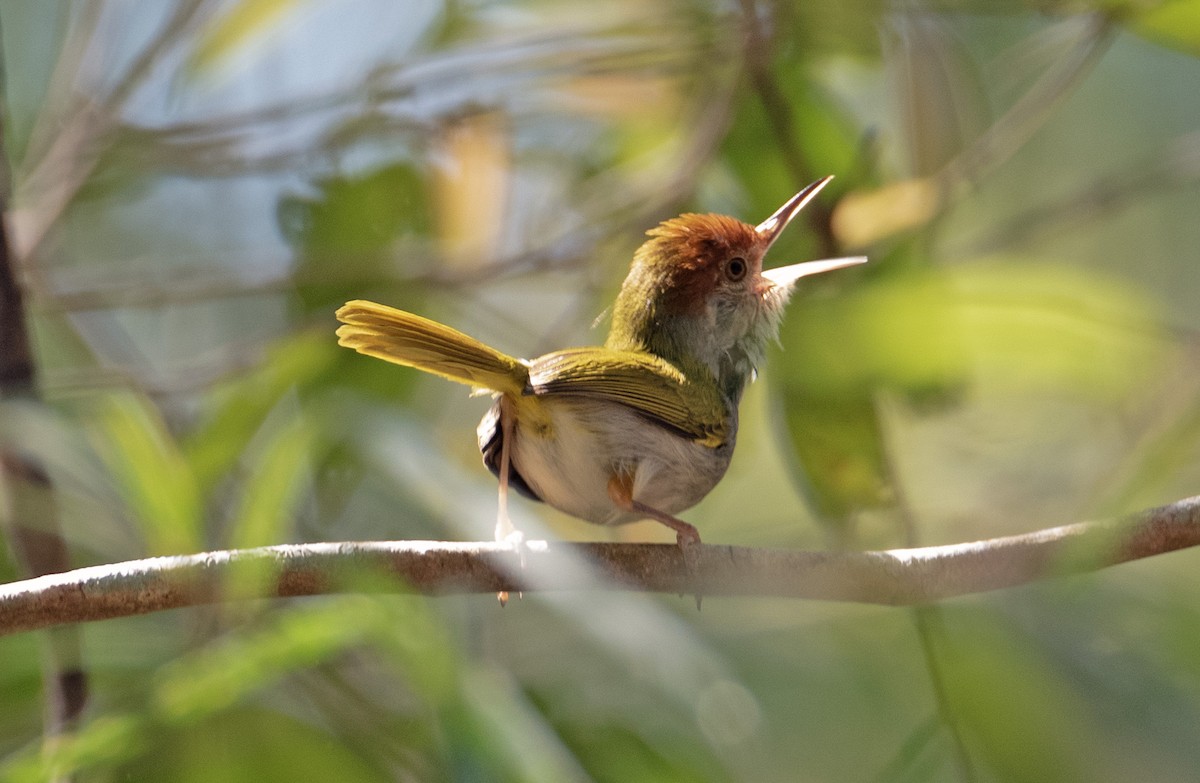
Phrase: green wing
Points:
(642, 381)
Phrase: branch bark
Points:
(894, 577)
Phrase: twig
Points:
(927, 620)
(899, 577)
(82, 134)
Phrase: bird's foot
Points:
(620, 490)
(509, 535)
(506, 532)
(688, 539)
(515, 539)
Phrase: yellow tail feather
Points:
(403, 338)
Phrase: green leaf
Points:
(226, 672)
(840, 464)
(358, 213)
(1015, 327)
(154, 478)
(1159, 465)
(346, 234)
(827, 28)
(821, 133)
(237, 410)
(104, 740)
(1174, 23)
(225, 35)
(1020, 716)
(252, 745)
(272, 487)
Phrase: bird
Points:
(644, 426)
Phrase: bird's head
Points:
(697, 291)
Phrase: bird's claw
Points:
(690, 549)
(515, 539)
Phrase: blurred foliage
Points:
(240, 26)
(1174, 23)
(196, 185)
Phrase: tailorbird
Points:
(644, 426)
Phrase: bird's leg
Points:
(506, 532)
(620, 490)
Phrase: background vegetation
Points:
(196, 185)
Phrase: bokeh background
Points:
(194, 186)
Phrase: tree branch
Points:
(894, 577)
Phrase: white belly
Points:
(594, 441)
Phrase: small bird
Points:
(643, 427)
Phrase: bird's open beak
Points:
(772, 227)
(786, 276)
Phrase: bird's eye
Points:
(735, 268)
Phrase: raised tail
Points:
(403, 338)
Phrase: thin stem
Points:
(928, 623)
(926, 619)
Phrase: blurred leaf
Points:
(1174, 23)
(360, 213)
(750, 151)
(21, 684)
(899, 330)
(224, 673)
(224, 35)
(417, 644)
(1044, 326)
(820, 132)
(924, 333)
(272, 487)
(832, 28)
(237, 409)
(252, 745)
(1015, 325)
(125, 169)
(918, 757)
(1164, 459)
(614, 752)
(102, 741)
(825, 131)
(841, 467)
(344, 234)
(211, 685)
(499, 737)
(155, 479)
(470, 187)
(864, 217)
(942, 102)
(1020, 715)
(305, 634)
